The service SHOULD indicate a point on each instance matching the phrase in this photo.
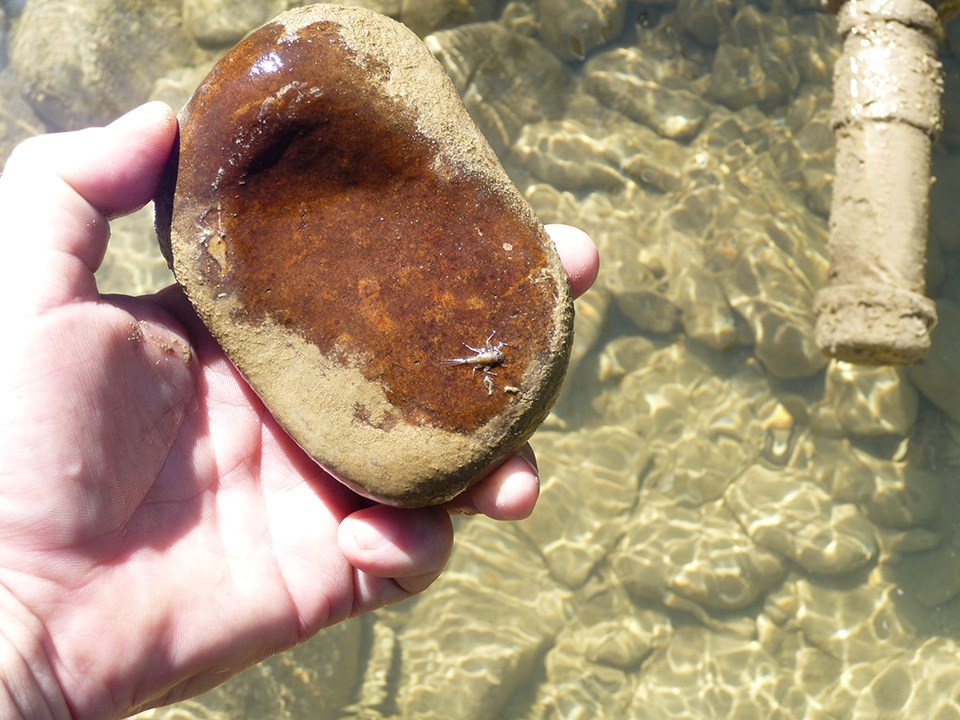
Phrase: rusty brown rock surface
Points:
(343, 228)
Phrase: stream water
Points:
(730, 526)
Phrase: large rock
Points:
(85, 63)
(344, 230)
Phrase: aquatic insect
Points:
(485, 358)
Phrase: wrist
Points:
(28, 684)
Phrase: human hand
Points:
(159, 531)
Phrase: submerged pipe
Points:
(886, 113)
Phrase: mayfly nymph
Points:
(485, 358)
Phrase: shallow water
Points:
(729, 526)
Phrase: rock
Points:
(572, 28)
(17, 119)
(754, 63)
(99, 66)
(705, 19)
(700, 666)
(587, 490)
(652, 84)
(506, 80)
(810, 120)
(701, 424)
(567, 155)
(4, 37)
(426, 16)
(594, 147)
(479, 636)
(176, 87)
(865, 400)
(905, 496)
(912, 684)
(937, 377)
(221, 23)
(797, 519)
(343, 229)
(591, 670)
(676, 114)
(851, 623)
(700, 557)
(816, 45)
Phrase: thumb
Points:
(57, 193)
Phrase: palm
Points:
(199, 483)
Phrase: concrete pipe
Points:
(887, 88)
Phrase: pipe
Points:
(886, 113)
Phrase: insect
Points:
(485, 358)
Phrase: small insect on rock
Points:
(485, 358)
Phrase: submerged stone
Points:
(344, 230)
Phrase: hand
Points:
(159, 531)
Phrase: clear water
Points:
(729, 527)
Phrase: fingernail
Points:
(365, 535)
(526, 453)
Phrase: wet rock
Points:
(705, 19)
(566, 155)
(587, 489)
(390, 8)
(702, 429)
(394, 239)
(4, 37)
(572, 28)
(854, 624)
(904, 496)
(868, 400)
(125, 45)
(700, 556)
(591, 668)
(676, 114)
(652, 84)
(623, 355)
(912, 684)
(221, 23)
(816, 45)
(811, 121)
(944, 210)
(932, 578)
(658, 54)
(699, 666)
(736, 252)
(769, 287)
(575, 397)
(798, 520)
(480, 632)
(427, 16)
(594, 147)
(754, 63)
(637, 288)
(506, 80)
(835, 465)
(938, 377)
(176, 87)
(17, 118)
